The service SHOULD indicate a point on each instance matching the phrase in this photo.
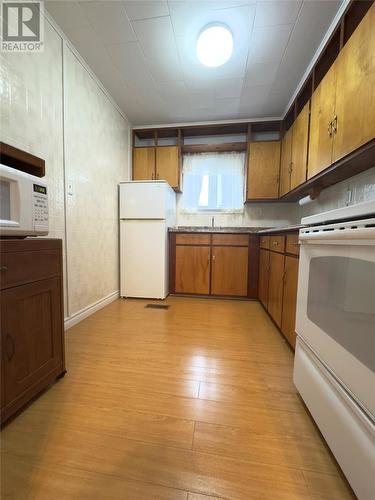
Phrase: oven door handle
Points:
(366, 236)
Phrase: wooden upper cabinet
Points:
(192, 269)
(355, 94)
(299, 147)
(264, 272)
(275, 286)
(286, 162)
(168, 165)
(31, 331)
(263, 170)
(143, 164)
(229, 271)
(321, 132)
(288, 322)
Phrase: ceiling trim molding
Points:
(213, 122)
(329, 32)
(85, 65)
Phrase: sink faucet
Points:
(212, 221)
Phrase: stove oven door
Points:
(336, 308)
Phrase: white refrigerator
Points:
(147, 209)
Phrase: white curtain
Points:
(213, 181)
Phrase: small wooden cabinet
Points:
(275, 286)
(214, 264)
(157, 163)
(288, 319)
(278, 277)
(263, 169)
(299, 147)
(264, 276)
(294, 147)
(32, 330)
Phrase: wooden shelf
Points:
(26, 162)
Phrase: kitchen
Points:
(207, 330)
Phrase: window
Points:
(213, 181)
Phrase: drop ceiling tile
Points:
(227, 88)
(161, 56)
(251, 95)
(146, 9)
(261, 73)
(130, 62)
(67, 14)
(269, 43)
(109, 20)
(200, 100)
(226, 108)
(272, 13)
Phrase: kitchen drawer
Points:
(264, 242)
(231, 239)
(277, 243)
(17, 268)
(193, 239)
(292, 245)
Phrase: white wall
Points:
(53, 107)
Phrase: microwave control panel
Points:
(40, 205)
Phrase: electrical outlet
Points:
(349, 196)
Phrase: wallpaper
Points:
(69, 121)
(96, 152)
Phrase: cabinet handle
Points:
(9, 342)
(275, 243)
(3, 268)
(330, 128)
(213, 257)
(334, 125)
(290, 169)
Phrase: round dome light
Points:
(214, 45)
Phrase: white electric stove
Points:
(334, 369)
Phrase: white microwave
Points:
(23, 204)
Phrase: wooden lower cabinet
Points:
(32, 328)
(275, 287)
(288, 321)
(217, 264)
(278, 278)
(229, 271)
(192, 269)
(264, 273)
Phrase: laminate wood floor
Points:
(194, 402)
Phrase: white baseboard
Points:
(87, 311)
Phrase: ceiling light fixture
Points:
(214, 45)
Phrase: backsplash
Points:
(67, 119)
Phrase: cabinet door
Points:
(355, 94)
(264, 267)
(192, 269)
(229, 271)
(286, 162)
(168, 165)
(275, 286)
(288, 323)
(263, 170)
(31, 334)
(143, 164)
(322, 113)
(299, 147)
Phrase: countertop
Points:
(242, 229)
(280, 229)
(216, 229)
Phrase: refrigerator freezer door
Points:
(143, 259)
(146, 200)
